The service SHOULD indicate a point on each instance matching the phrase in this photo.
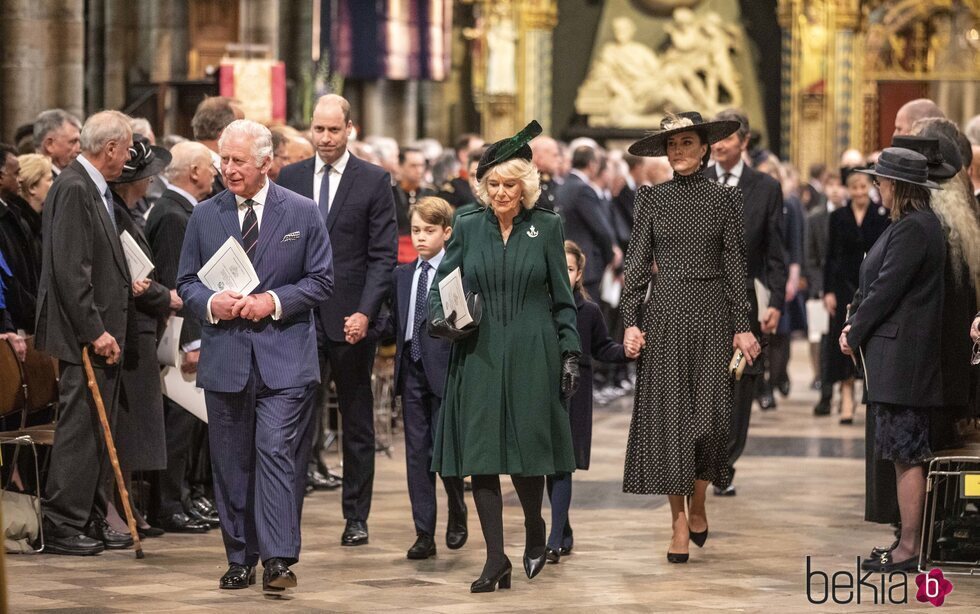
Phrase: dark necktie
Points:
(324, 199)
(250, 230)
(421, 291)
(725, 178)
(110, 210)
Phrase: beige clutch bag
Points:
(737, 365)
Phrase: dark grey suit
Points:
(84, 292)
(165, 227)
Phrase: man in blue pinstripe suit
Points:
(258, 363)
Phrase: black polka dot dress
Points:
(692, 229)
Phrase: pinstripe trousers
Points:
(258, 455)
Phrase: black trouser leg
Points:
(180, 428)
(490, 508)
(779, 349)
(530, 490)
(741, 414)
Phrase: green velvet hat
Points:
(508, 149)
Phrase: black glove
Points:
(569, 374)
(446, 327)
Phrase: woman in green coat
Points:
(509, 373)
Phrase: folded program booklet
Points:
(454, 298)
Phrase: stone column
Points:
(538, 20)
(42, 51)
(259, 24)
(119, 51)
(847, 109)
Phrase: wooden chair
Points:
(27, 388)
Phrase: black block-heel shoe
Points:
(699, 538)
(488, 584)
(676, 557)
(552, 555)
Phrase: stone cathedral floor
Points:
(800, 493)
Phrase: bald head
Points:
(546, 155)
(331, 127)
(852, 158)
(331, 101)
(191, 168)
(913, 111)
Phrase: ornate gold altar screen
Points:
(849, 64)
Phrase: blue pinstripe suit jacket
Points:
(299, 271)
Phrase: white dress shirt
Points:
(258, 206)
(100, 183)
(735, 172)
(187, 195)
(336, 174)
(434, 263)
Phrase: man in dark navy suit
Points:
(586, 223)
(355, 199)
(765, 257)
(421, 362)
(258, 363)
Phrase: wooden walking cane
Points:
(107, 433)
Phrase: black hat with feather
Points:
(508, 149)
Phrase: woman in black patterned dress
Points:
(691, 229)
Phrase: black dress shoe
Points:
(822, 408)
(150, 531)
(488, 582)
(783, 387)
(423, 548)
(887, 564)
(355, 533)
(728, 491)
(276, 576)
(182, 523)
(208, 519)
(237, 576)
(567, 541)
(74, 545)
(552, 556)
(766, 400)
(319, 481)
(114, 540)
(456, 531)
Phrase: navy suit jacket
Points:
(299, 271)
(435, 351)
(587, 225)
(363, 235)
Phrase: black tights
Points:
(490, 507)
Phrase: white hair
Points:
(260, 136)
(103, 127)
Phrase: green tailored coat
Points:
(502, 411)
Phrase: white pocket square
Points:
(290, 237)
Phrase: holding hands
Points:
(634, 341)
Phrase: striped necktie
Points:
(250, 230)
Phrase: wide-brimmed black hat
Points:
(508, 149)
(656, 143)
(902, 164)
(145, 160)
(942, 155)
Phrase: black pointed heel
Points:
(675, 557)
(699, 538)
(488, 584)
(533, 566)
